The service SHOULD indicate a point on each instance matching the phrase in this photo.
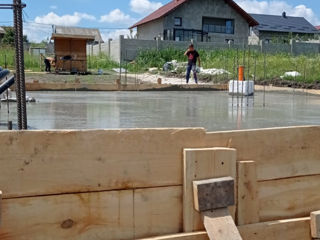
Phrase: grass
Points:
(262, 66)
(259, 66)
(34, 63)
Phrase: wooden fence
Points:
(131, 184)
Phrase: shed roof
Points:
(276, 23)
(77, 32)
(174, 4)
(2, 31)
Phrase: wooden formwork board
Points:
(260, 201)
(201, 164)
(278, 152)
(290, 229)
(111, 215)
(292, 197)
(56, 162)
(248, 202)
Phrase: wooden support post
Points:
(248, 203)
(212, 198)
(202, 164)
(315, 225)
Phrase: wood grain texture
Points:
(201, 164)
(220, 225)
(104, 215)
(124, 215)
(288, 198)
(290, 229)
(248, 202)
(278, 152)
(55, 162)
(157, 211)
(182, 236)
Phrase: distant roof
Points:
(174, 4)
(2, 30)
(275, 23)
(318, 27)
(77, 32)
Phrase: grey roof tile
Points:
(283, 24)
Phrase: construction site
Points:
(90, 153)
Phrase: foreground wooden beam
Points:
(199, 164)
(248, 202)
(290, 229)
(220, 225)
(315, 224)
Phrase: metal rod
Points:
(17, 75)
(265, 76)
(20, 74)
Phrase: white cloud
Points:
(36, 32)
(277, 7)
(53, 7)
(64, 20)
(115, 34)
(117, 16)
(144, 6)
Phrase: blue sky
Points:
(113, 17)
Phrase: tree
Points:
(9, 36)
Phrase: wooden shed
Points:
(70, 47)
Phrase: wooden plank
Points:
(157, 211)
(287, 198)
(291, 229)
(127, 214)
(315, 224)
(54, 162)
(213, 193)
(248, 202)
(220, 225)
(182, 236)
(103, 215)
(278, 152)
(200, 164)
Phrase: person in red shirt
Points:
(193, 56)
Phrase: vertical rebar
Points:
(20, 75)
(255, 67)
(17, 63)
(265, 76)
(5, 61)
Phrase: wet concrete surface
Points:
(214, 111)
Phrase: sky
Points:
(113, 17)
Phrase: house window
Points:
(188, 34)
(267, 41)
(178, 21)
(218, 25)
